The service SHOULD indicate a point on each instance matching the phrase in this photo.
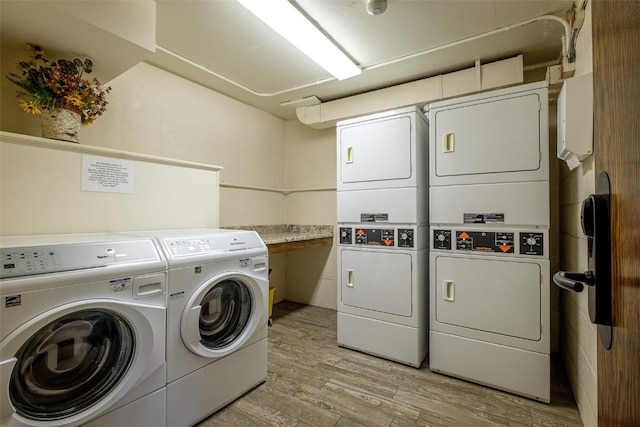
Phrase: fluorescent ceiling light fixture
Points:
(287, 21)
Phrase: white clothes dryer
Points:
(493, 137)
(382, 173)
(384, 150)
(83, 331)
(383, 291)
(217, 315)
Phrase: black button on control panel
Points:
(532, 244)
(405, 237)
(442, 239)
(345, 236)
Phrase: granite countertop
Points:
(283, 237)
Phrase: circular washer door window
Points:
(225, 312)
(71, 364)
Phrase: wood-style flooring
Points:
(313, 382)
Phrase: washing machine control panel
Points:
(389, 237)
(32, 260)
(223, 241)
(485, 241)
(192, 246)
(375, 236)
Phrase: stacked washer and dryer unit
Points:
(382, 204)
(489, 259)
(481, 287)
(82, 331)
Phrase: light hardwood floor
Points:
(313, 382)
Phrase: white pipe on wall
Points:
(565, 24)
(503, 73)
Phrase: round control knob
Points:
(441, 237)
(403, 236)
(343, 234)
(531, 241)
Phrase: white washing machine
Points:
(383, 291)
(83, 331)
(217, 313)
(490, 314)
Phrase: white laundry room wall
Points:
(154, 112)
(311, 166)
(169, 116)
(578, 335)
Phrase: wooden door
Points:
(616, 72)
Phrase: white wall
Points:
(154, 112)
(311, 163)
(578, 334)
(41, 191)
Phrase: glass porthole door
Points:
(217, 316)
(71, 364)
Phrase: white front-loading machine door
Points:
(490, 320)
(493, 137)
(382, 302)
(383, 150)
(501, 300)
(222, 315)
(378, 284)
(71, 364)
(215, 316)
(377, 150)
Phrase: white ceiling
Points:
(219, 44)
(222, 46)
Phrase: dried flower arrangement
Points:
(58, 84)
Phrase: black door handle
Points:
(595, 218)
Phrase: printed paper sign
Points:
(106, 174)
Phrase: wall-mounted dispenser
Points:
(575, 120)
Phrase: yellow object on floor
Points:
(272, 291)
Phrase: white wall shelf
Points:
(85, 29)
(34, 141)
